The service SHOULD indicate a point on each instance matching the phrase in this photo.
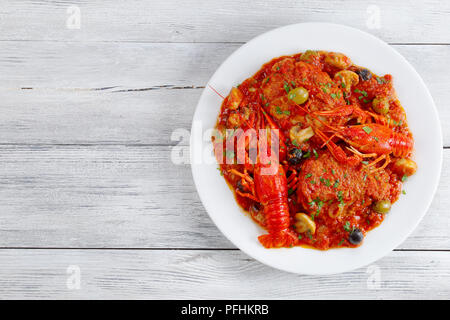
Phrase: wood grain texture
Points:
(129, 196)
(81, 92)
(115, 65)
(142, 274)
(217, 21)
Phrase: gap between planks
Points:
(113, 89)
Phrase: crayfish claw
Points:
(283, 239)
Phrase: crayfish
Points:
(269, 187)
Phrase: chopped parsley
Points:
(380, 80)
(340, 197)
(364, 93)
(286, 87)
(404, 178)
(316, 155)
(325, 181)
(318, 202)
(307, 155)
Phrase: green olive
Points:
(380, 105)
(382, 206)
(298, 95)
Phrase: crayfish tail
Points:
(283, 239)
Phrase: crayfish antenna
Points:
(312, 115)
(386, 162)
(337, 151)
(362, 155)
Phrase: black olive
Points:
(356, 236)
(364, 74)
(295, 156)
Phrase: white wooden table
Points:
(91, 205)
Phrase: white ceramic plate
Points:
(364, 50)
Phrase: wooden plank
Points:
(142, 274)
(66, 105)
(116, 196)
(217, 21)
(129, 196)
